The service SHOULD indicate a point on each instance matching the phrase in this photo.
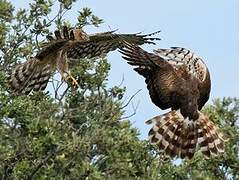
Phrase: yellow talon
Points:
(74, 81)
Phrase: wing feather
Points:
(102, 43)
(99, 44)
(161, 79)
(178, 56)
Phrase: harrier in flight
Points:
(66, 46)
(178, 79)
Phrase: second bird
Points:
(177, 79)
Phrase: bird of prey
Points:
(67, 46)
(177, 78)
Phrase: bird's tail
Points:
(31, 75)
(181, 137)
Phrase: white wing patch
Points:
(178, 56)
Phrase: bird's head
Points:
(80, 35)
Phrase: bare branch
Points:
(134, 111)
(130, 99)
(122, 81)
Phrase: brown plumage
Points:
(67, 47)
(178, 79)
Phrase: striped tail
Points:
(181, 137)
(31, 75)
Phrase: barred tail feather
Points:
(29, 76)
(182, 137)
(210, 140)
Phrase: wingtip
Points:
(156, 32)
(147, 38)
(151, 34)
(150, 40)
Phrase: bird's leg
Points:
(74, 81)
(69, 77)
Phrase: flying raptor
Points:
(68, 46)
(178, 79)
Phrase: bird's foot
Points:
(73, 81)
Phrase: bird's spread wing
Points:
(35, 73)
(178, 56)
(161, 78)
(102, 43)
(51, 48)
(95, 45)
(136, 56)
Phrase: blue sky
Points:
(209, 28)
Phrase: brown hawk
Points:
(178, 79)
(67, 46)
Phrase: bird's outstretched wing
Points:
(195, 66)
(95, 45)
(58, 52)
(161, 78)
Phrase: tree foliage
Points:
(69, 134)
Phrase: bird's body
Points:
(67, 47)
(177, 79)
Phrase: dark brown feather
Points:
(99, 44)
(195, 67)
(161, 78)
(182, 84)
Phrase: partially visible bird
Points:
(68, 46)
(178, 79)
